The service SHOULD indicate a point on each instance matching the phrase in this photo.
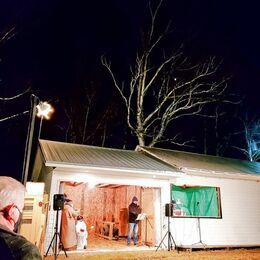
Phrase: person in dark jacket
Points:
(12, 245)
(133, 211)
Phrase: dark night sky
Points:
(57, 45)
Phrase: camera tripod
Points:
(170, 239)
(55, 237)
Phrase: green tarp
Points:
(196, 201)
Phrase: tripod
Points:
(170, 239)
(200, 241)
(55, 239)
(147, 220)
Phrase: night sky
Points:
(55, 48)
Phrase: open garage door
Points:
(104, 208)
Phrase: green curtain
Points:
(196, 201)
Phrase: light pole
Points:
(43, 110)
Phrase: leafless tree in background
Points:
(4, 37)
(88, 124)
(251, 134)
(163, 87)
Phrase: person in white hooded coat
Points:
(82, 233)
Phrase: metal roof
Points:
(67, 154)
(200, 162)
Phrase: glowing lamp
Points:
(44, 110)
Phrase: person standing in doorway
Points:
(133, 211)
(68, 226)
(82, 233)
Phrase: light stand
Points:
(29, 139)
(55, 237)
(170, 239)
(42, 110)
(147, 220)
(199, 228)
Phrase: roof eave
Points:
(58, 165)
(217, 174)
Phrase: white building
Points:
(239, 189)
(150, 173)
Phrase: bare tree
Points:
(216, 130)
(79, 117)
(164, 86)
(4, 37)
(251, 134)
(11, 98)
(89, 123)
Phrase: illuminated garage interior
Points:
(104, 208)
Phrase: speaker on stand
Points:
(169, 209)
(169, 214)
(58, 204)
(58, 201)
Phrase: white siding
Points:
(51, 219)
(240, 223)
(240, 202)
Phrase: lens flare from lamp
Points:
(44, 109)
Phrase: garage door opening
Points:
(104, 208)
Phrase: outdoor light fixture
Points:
(42, 110)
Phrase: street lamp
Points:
(43, 110)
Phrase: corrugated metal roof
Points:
(59, 153)
(187, 160)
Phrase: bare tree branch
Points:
(13, 116)
(10, 33)
(252, 139)
(16, 96)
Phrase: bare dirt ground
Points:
(99, 248)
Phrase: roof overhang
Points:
(218, 174)
(80, 158)
(115, 171)
(202, 172)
